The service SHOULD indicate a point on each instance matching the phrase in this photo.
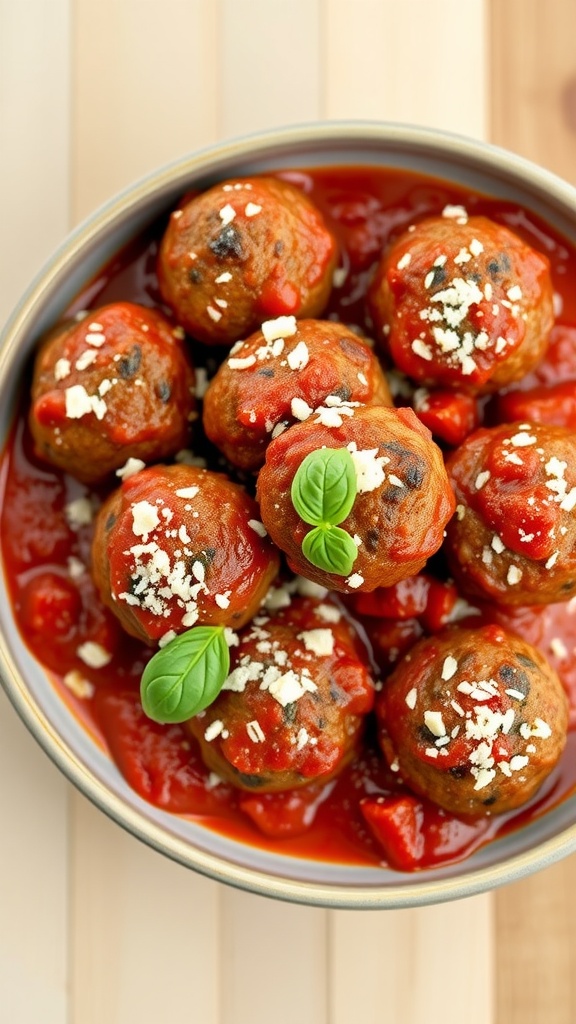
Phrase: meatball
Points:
(116, 385)
(463, 303)
(243, 252)
(473, 719)
(291, 710)
(176, 545)
(513, 538)
(403, 497)
(279, 376)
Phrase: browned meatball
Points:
(177, 545)
(243, 252)
(279, 376)
(117, 385)
(463, 302)
(513, 538)
(474, 719)
(403, 499)
(292, 709)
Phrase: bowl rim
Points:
(322, 136)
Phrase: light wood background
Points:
(94, 927)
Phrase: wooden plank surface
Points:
(398, 961)
(416, 62)
(533, 112)
(34, 216)
(533, 71)
(119, 933)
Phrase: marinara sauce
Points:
(45, 534)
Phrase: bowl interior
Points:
(483, 168)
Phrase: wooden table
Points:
(94, 927)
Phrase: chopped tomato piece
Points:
(391, 640)
(397, 825)
(418, 597)
(450, 415)
(281, 815)
(554, 404)
(279, 297)
(50, 607)
(405, 600)
(415, 834)
(442, 598)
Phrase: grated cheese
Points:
(318, 641)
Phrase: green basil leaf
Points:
(324, 487)
(331, 549)
(186, 675)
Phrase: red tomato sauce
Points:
(57, 608)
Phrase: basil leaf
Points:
(186, 675)
(324, 486)
(331, 549)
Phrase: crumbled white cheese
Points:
(449, 668)
(290, 687)
(455, 212)
(522, 439)
(281, 327)
(79, 403)
(79, 512)
(298, 358)
(243, 363)
(93, 654)
(61, 369)
(255, 731)
(302, 738)
(96, 338)
(319, 641)
(167, 637)
(86, 359)
(145, 518)
(130, 467)
(411, 698)
(328, 613)
(187, 492)
(539, 728)
(258, 527)
(214, 729)
(420, 348)
(227, 214)
(300, 409)
(76, 567)
(78, 684)
(514, 575)
(368, 466)
(435, 723)
(355, 580)
(518, 762)
(558, 648)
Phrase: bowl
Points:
(484, 168)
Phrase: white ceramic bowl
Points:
(484, 168)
